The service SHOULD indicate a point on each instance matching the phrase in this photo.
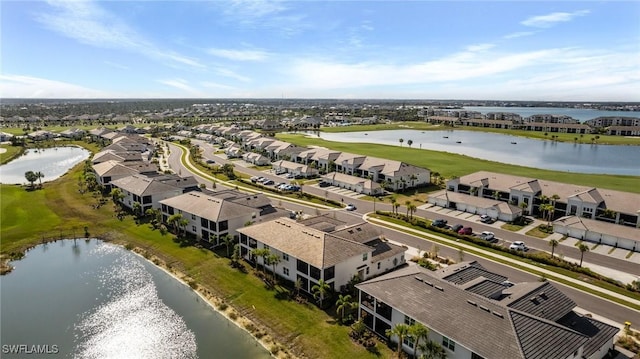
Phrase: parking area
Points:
(341, 191)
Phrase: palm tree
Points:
(401, 140)
(396, 205)
(273, 260)
(524, 206)
(31, 177)
(183, 223)
(228, 241)
(40, 177)
(174, 220)
(400, 330)
(137, 209)
(418, 332)
(583, 248)
(407, 204)
(320, 290)
(343, 303)
(297, 286)
(412, 209)
(553, 243)
(432, 350)
(393, 203)
(409, 142)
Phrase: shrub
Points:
(223, 306)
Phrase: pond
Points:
(545, 154)
(90, 299)
(52, 162)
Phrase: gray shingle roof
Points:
(540, 339)
(211, 208)
(466, 272)
(544, 301)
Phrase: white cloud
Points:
(231, 74)
(89, 24)
(239, 55)
(179, 84)
(480, 47)
(553, 18)
(18, 86)
(516, 35)
(215, 85)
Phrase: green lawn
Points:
(10, 154)
(450, 165)
(59, 208)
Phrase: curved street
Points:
(586, 301)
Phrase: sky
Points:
(476, 50)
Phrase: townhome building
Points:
(209, 217)
(334, 255)
(608, 121)
(611, 208)
(474, 313)
(149, 190)
(112, 170)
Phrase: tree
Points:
(409, 143)
(524, 205)
(174, 221)
(228, 241)
(396, 205)
(235, 257)
(583, 248)
(400, 330)
(156, 216)
(407, 204)
(183, 223)
(273, 260)
(553, 243)
(137, 209)
(401, 140)
(412, 209)
(320, 291)
(344, 303)
(40, 177)
(31, 177)
(394, 201)
(297, 286)
(418, 332)
(432, 350)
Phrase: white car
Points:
(518, 246)
(487, 236)
(350, 207)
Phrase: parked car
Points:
(289, 176)
(487, 236)
(268, 182)
(350, 207)
(518, 246)
(485, 218)
(255, 179)
(324, 184)
(456, 227)
(440, 223)
(211, 161)
(465, 230)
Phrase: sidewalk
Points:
(490, 256)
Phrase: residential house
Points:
(4, 136)
(352, 183)
(112, 170)
(296, 169)
(256, 159)
(148, 191)
(473, 313)
(73, 133)
(311, 255)
(623, 131)
(209, 217)
(41, 135)
(599, 232)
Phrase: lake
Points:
(90, 299)
(580, 114)
(545, 154)
(52, 162)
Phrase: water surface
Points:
(545, 154)
(52, 162)
(96, 300)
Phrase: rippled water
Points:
(89, 299)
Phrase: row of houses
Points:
(363, 174)
(588, 213)
(460, 304)
(621, 126)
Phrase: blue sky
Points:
(502, 50)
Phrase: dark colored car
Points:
(456, 227)
(465, 230)
(440, 223)
(324, 184)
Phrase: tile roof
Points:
(602, 227)
(205, 206)
(315, 247)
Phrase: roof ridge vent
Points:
(497, 314)
(439, 288)
(472, 302)
(484, 308)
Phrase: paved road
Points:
(584, 300)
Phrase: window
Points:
(408, 341)
(365, 256)
(367, 270)
(329, 273)
(204, 223)
(223, 226)
(448, 343)
(193, 229)
(408, 320)
(285, 257)
(379, 263)
(193, 216)
(285, 270)
(266, 246)
(302, 266)
(314, 272)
